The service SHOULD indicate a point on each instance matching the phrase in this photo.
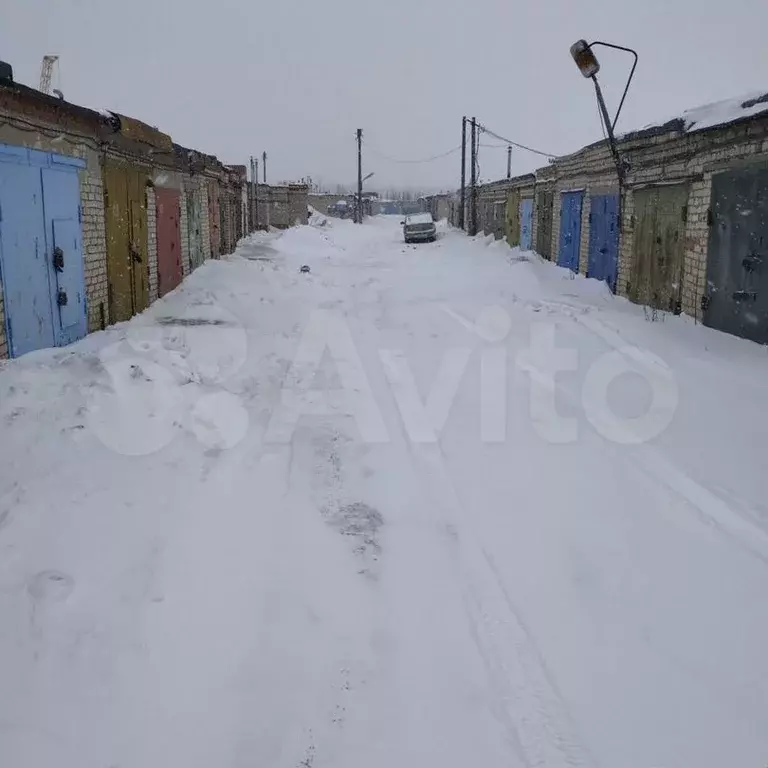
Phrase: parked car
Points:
(419, 228)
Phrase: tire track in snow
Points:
(712, 510)
(528, 702)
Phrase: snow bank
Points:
(719, 112)
(504, 580)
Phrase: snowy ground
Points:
(538, 537)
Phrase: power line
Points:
(422, 160)
(515, 143)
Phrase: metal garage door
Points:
(194, 228)
(570, 230)
(526, 224)
(544, 229)
(127, 247)
(657, 269)
(604, 239)
(737, 267)
(41, 251)
(168, 239)
(513, 218)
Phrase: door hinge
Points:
(79, 214)
(684, 213)
(704, 302)
(710, 217)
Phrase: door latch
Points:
(58, 259)
(62, 299)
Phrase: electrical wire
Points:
(423, 160)
(515, 143)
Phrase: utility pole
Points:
(359, 175)
(463, 196)
(255, 194)
(251, 190)
(267, 196)
(473, 181)
(509, 162)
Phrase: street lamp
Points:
(589, 66)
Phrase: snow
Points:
(332, 520)
(721, 112)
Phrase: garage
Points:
(736, 299)
(41, 249)
(659, 246)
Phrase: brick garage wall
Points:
(94, 244)
(664, 158)
(228, 208)
(196, 187)
(692, 159)
(205, 225)
(184, 225)
(214, 218)
(591, 170)
(491, 208)
(152, 243)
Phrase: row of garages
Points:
(693, 235)
(101, 214)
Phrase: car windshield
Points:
(383, 384)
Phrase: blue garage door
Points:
(526, 225)
(41, 255)
(604, 239)
(570, 230)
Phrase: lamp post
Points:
(589, 66)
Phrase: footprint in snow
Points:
(50, 587)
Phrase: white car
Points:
(419, 228)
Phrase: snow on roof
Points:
(719, 112)
(419, 218)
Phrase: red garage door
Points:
(168, 240)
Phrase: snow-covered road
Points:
(425, 506)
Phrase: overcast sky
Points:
(294, 77)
